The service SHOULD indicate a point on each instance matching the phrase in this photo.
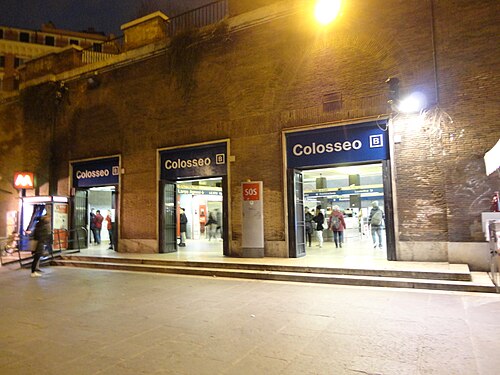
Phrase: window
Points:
(1, 33)
(24, 37)
(74, 42)
(50, 40)
(2, 61)
(17, 62)
(97, 47)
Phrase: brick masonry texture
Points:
(273, 76)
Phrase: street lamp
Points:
(326, 11)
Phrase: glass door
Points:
(296, 219)
(168, 217)
(80, 235)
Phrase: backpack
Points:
(377, 218)
(335, 221)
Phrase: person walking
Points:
(183, 227)
(109, 226)
(43, 236)
(211, 226)
(308, 217)
(98, 219)
(337, 225)
(319, 219)
(92, 226)
(218, 217)
(376, 221)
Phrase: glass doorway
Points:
(203, 203)
(353, 191)
(95, 211)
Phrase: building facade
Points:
(268, 95)
(19, 45)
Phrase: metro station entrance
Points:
(344, 169)
(193, 182)
(95, 187)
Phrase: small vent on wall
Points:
(332, 102)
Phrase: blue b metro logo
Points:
(337, 145)
(376, 141)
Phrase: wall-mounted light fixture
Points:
(413, 103)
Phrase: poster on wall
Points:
(11, 223)
(60, 226)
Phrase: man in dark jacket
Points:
(43, 236)
(183, 227)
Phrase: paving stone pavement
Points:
(84, 321)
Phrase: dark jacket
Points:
(319, 219)
(92, 220)
(309, 219)
(42, 234)
(183, 220)
(211, 219)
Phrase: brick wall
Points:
(274, 76)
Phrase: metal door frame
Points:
(171, 247)
(297, 246)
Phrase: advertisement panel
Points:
(338, 145)
(60, 226)
(194, 162)
(98, 172)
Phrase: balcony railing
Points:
(102, 51)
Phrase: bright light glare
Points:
(413, 103)
(327, 10)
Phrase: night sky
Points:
(102, 15)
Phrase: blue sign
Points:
(98, 172)
(194, 162)
(337, 145)
(328, 193)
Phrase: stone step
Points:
(481, 284)
(458, 272)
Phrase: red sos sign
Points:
(251, 191)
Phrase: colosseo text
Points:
(92, 174)
(320, 148)
(190, 163)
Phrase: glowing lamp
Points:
(413, 103)
(327, 10)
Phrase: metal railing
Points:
(61, 245)
(103, 51)
(199, 17)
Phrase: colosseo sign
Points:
(337, 144)
(199, 161)
(97, 172)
